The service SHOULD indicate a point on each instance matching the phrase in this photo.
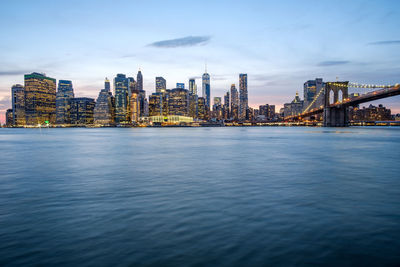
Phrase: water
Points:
(200, 196)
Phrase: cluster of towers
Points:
(38, 102)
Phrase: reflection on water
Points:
(200, 196)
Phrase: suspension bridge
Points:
(336, 101)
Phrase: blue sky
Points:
(279, 44)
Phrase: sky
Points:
(279, 44)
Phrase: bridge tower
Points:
(337, 116)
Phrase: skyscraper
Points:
(9, 117)
(311, 89)
(139, 80)
(225, 110)
(180, 85)
(243, 98)
(178, 102)
(107, 86)
(202, 109)
(121, 85)
(206, 88)
(65, 93)
(161, 85)
(82, 109)
(18, 105)
(234, 102)
(40, 99)
(192, 86)
(104, 109)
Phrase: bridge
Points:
(336, 102)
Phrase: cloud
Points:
(333, 63)
(13, 72)
(387, 42)
(182, 42)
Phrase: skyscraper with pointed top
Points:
(206, 88)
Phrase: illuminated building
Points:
(206, 89)
(9, 117)
(156, 104)
(268, 111)
(178, 102)
(217, 108)
(18, 105)
(293, 108)
(143, 104)
(193, 98)
(82, 109)
(161, 85)
(234, 103)
(193, 105)
(121, 85)
(192, 86)
(65, 93)
(243, 98)
(311, 89)
(104, 109)
(180, 85)
(134, 104)
(225, 110)
(202, 109)
(371, 113)
(172, 119)
(40, 99)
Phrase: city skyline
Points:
(280, 46)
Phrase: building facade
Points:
(121, 85)
(206, 89)
(40, 99)
(243, 97)
(178, 102)
(65, 93)
(104, 110)
(18, 105)
(161, 85)
(82, 111)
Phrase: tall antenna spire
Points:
(206, 66)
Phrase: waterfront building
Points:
(82, 110)
(18, 105)
(65, 92)
(40, 99)
(243, 98)
(9, 117)
(268, 111)
(121, 85)
(225, 109)
(178, 102)
(206, 88)
(180, 85)
(134, 104)
(202, 109)
(371, 113)
(170, 119)
(105, 105)
(311, 89)
(293, 108)
(217, 108)
(193, 105)
(234, 103)
(156, 104)
(161, 85)
(192, 86)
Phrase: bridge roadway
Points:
(370, 96)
